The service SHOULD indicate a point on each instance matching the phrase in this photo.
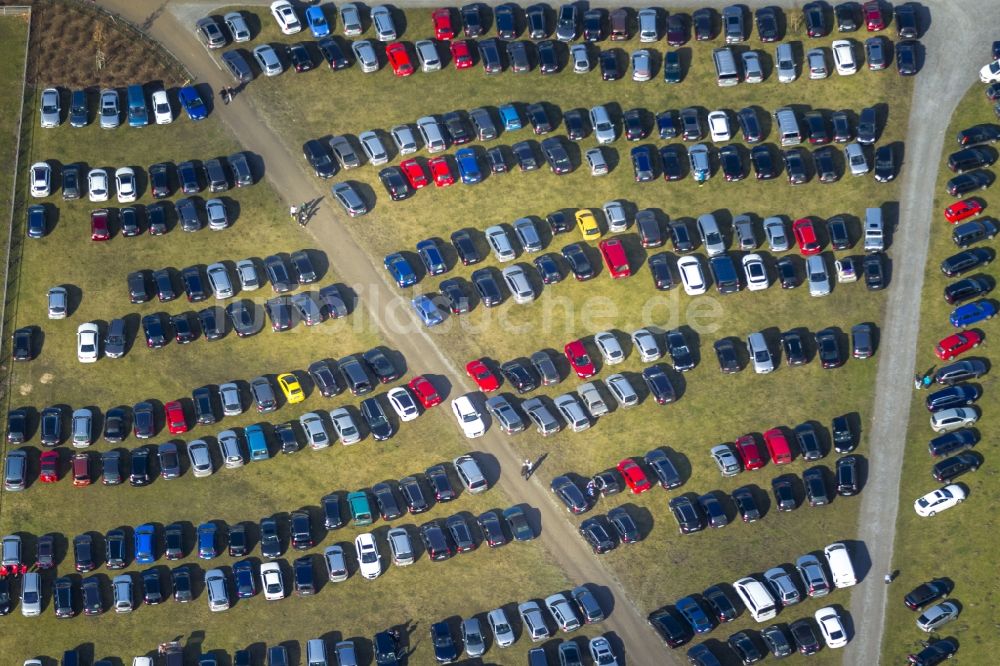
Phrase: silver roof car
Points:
(562, 612)
(760, 354)
(470, 474)
(725, 458)
(642, 67)
(581, 59)
(122, 587)
(784, 62)
(312, 426)
(50, 108)
(218, 278)
(645, 343)
(83, 422)
(506, 416)
(817, 63)
(753, 72)
(711, 236)
(609, 347)
(382, 21)
(350, 18)
(404, 139)
(336, 564)
(527, 235)
(201, 459)
(934, 617)
(854, 154)
(517, 282)
(427, 54)
(545, 422)
(109, 113)
(344, 152)
(215, 210)
(374, 150)
(592, 398)
(229, 449)
(343, 423)
(267, 59)
(400, 546)
(349, 198)
(614, 214)
(597, 162)
(648, 31)
(699, 161)
(774, 229)
(472, 637)
(365, 54)
(622, 390)
(743, 225)
(533, 620)
(783, 586)
(247, 273)
(58, 303)
(503, 634)
(813, 576)
(237, 26)
(572, 411)
(499, 241)
(604, 129)
(818, 275)
(231, 402)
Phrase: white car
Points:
(427, 54)
(162, 111)
(614, 214)
(364, 52)
(284, 14)
(692, 276)
(87, 342)
(237, 26)
(718, 126)
(470, 420)
(938, 500)
(947, 420)
(581, 60)
(847, 270)
(831, 627)
(385, 29)
(315, 431)
(645, 344)
(843, 57)
(271, 581)
(403, 404)
(374, 150)
(756, 274)
(990, 73)
(604, 129)
(648, 31)
(369, 560)
(247, 273)
(201, 459)
(642, 67)
(41, 179)
(611, 351)
(343, 423)
(267, 60)
(777, 239)
(125, 184)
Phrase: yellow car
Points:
(587, 224)
(291, 388)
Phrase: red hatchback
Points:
(415, 173)
(461, 55)
(399, 59)
(805, 236)
(956, 345)
(963, 209)
(50, 466)
(874, 20)
(777, 447)
(482, 375)
(176, 421)
(635, 478)
(99, 230)
(443, 27)
(577, 355)
(749, 452)
(615, 259)
(441, 171)
(425, 391)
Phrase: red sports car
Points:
(482, 375)
(425, 391)
(399, 59)
(963, 209)
(176, 421)
(443, 27)
(874, 20)
(635, 478)
(958, 344)
(461, 54)
(50, 466)
(576, 353)
(805, 236)
(414, 172)
(749, 452)
(441, 171)
(99, 230)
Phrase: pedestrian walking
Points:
(293, 211)
(888, 578)
(525, 469)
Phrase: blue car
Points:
(257, 442)
(510, 118)
(246, 586)
(468, 166)
(400, 269)
(970, 313)
(191, 101)
(431, 256)
(317, 22)
(206, 541)
(145, 550)
(642, 163)
(427, 310)
(694, 614)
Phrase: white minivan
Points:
(840, 565)
(756, 598)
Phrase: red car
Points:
(874, 20)
(425, 391)
(176, 421)
(443, 28)
(615, 259)
(441, 171)
(577, 355)
(958, 344)
(635, 478)
(50, 466)
(482, 375)
(963, 209)
(461, 54)
(414, 172)
(749, 452)
(399, 59)
(99, 230)
(81, 470)
(777, 446)
(805, 236)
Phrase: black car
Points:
(659, 268)
(92, 602)
(246, 317)
(441, 486)
(460, 534)
(51, 426)
(454, 295)
(458, 129)
(648, 227)
(520, 376)
(489, 54)
(763, 163)
(138, 291)
(625, 527)
(966, 289)
(874, 267)
(539, 118)
(836, 228)
(319, 158)
(194, 285)
(966, 260)
(846, 16)
(784, 493)
(795, 166)
(332, 52)
(381, 366)
(731, 163)
(672, 71)
(934, 653)
(154, 331)
(413, 494)
(465, 247)
(971, 158)
(843, 434)
(184, 332)
(666, 124)
(960, 371)
(720, 604)
(596, 533)
(537, 21)
(435, 542)
(83, 553)
(725, 352)
(659, 385)
(816, 128)
(506, 21)
(492, 529)
(808, 440)
(609, 62)
(767, 24)
(181, 584)
(795, 353)
(906, 58)
(487, 287)
(672, 160)
(928, 593)
(805, 636)
(847, 476)
(826, 167)
(984, 133)
(270, 541)
(156, 219)
(575, 121)
(642, 163)
(674, 630)
(139, 471)
(952, 442)
(828, 349)
(332, 516)
(714, 510)
(703, 20)
(325, 379)
(24, 347)
(301, 530)
(556, 155)
(525, 154)
(750, 125)
(688, 515)
(17, 425)
(62, 597)
(746, 504)
(746, 647)
(128, 221)
(303, 576)
(953, 396)
(375, 418)
(395, 183)
(680, 353)
(472, 22)
(815, 19)
(814, 479)
(299, 55)
(548, 269)
(45, 551)
(777, 641)
(388, 507)
(173, 537)
(548, 58)
(187, 174)
(964, 183)
(212, 323)
(445, 650)
(204, 405)
(152, 589)
(559, 222)
(497, 159)
(576, 257)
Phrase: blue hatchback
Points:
(468, 166)
(191, 101)
(510, 118)
(317, 22)
(400, 269)
(427, 310)
(145, 551)
(694, 614)
(206, 541)
(970, 313)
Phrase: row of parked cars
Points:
(140, 110)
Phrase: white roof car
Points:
(856, 160)
(817, 64)
(58, 302)
(247, 272)
(87, 343)
(312, 426)
(369, 560)
(470, 474)
(711, 236)
(843, 57)
(622, 390)
(470, 420)
(497, 237)
(284, 14)
(336, 563)
(572, 412)
(404, 139)
(601, 652)
(162, 111)
(125, 184)
(427, 54)
(517, 282)
(121, 585)
(503, 635)
(846, 269)
(271, 581)
(365, 53)
(729, 464)
(400, 546)
(990, 73)
(350, 18)
(237, 26)
(645, 343)
(267, 59)
(718, 126)
(648, 31)
(385, 29)
(819, 277)
(343, 423)
(954, 418)
(201, 459)
(597, 162)
(229, 449)
(218, 279)
(608, 345)
(581, 60)
(614, 214)
(753, 267)
(774, 229)
(938, 500)
(215, 210)
(642, 68)
(41, 179)
(51, 108)
(692, 277)
(374, 150)
(562, 612)
(831, 627)
(604, 129)
(753, 72)
(403, 404)
(592, 399)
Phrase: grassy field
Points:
(713, 408)
(963, 541)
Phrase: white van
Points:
(316, 652)
(874, 230)
(840, 565)
(726, 71)
(756, 598)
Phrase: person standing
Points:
(525, 469)
(293, 211)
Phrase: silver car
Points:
(400, 546)
(215, 210)
(597, 162)
(622, 390)
(374, 150)
(711, 237)
(642, 67)
(614, 215)
(350, 18)
(237, 26)
(122, 587)
(201, 459)
(385, 29)
(572, 412)
(344, 152)
(527, 235)
(232, 405)
(701, 167)
(517, 282)
(753, 72)
(229, 449)
(545, 423)
(608, 345)
(581, 59)
(760, 354)
(856, 160)
(51, 108)
(743, 226)
(336, 564)
(57, 303)
(428, 56)
(343, 423)
(31, 594)
(782, 586)
(403, 137)
(934, 617)
(109, 112)
(813, 576)
(215, 586)
(785, 63)
(533, 621)
(604, 129)
(267, 59)
(774, 229)
(592, 399)
(312, 426)
(562, 612)
(472, 637)
(648, 30)
(817, 64)
(726, 459)
(500, 243)
(645, 343)
(246, 271)
(505, 415)
(503, 634)
(349, 198)
(365, 54)
(819, 277)
(83, 423)
(218, 278)
(470, 475)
